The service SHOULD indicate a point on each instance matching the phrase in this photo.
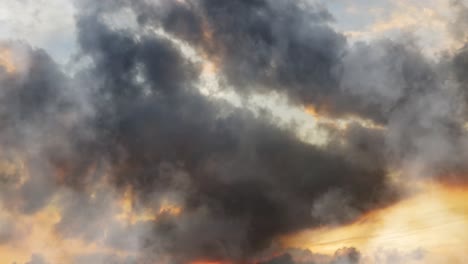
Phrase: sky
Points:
(233, 131)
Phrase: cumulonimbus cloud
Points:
(134, 117)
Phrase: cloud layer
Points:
(199, 178)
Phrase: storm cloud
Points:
(133, 121)
(246, 180)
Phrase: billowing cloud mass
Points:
(128, 160)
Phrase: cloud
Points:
(131, 126)
(37, 259)
(29, 21)
(295, 256)
(246, 182)
(395, 256)
(458, 26)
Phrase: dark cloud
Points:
(460, 65)
(245, 180)
(134, 118)
(30, 98)
(36, 113)
(291, 48)
(283, 259)
(346, 256)
(382, 76)
(265, 45)
(296, 256)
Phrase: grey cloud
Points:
(102, 259)
(135, 118)
(395, 256)
(34, 116)
(297, 256)
(248, 180)
(458, 26)
(37, 259)
(384, 74)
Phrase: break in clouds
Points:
(219, 181)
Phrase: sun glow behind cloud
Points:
(431, 221)
(37, 234)
(31, 233)
(435, 221)
(6, 60)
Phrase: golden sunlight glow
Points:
(435, 220)
(169, 208)
(6, 60)
(311, 110)
(322, 118)
(209, 68)
(36, 234)
(339, 123)
(129, 213)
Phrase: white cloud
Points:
(47, 24)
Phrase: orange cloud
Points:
(6, 60)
